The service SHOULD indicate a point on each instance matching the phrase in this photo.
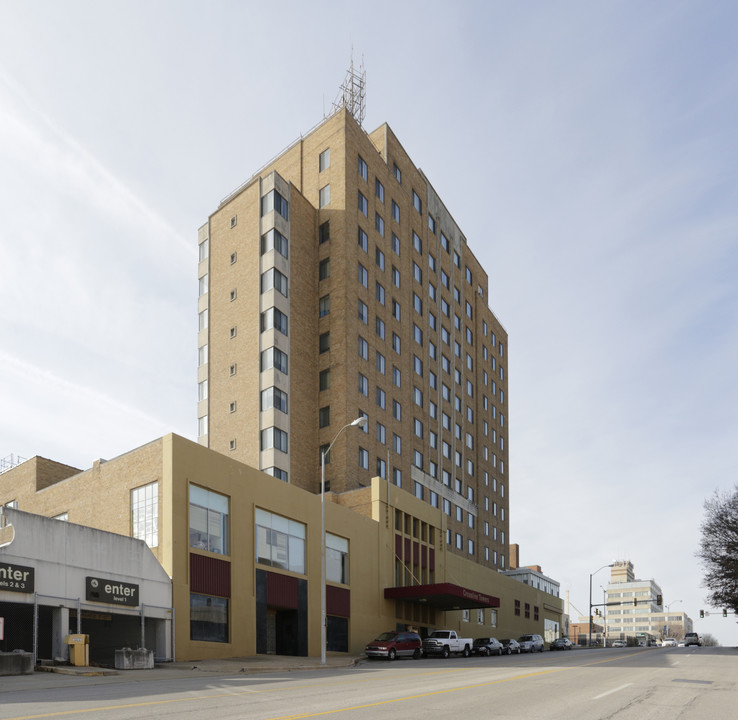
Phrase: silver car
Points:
(531, 643)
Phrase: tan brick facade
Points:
(413, 343)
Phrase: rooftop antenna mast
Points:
(352, 93)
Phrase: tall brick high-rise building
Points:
(335, 284)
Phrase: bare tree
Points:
(719, 550)
(709, 640)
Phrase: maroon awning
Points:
(443, 596)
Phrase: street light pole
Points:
(589, 641)
(666, 619)
(359, 422)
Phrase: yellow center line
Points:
(251, 691)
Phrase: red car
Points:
(395, 644)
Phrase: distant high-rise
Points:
(335, 284)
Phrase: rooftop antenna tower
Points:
(352, 93)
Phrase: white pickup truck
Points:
(445, 642)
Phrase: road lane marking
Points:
(250, 691)
(610, 692)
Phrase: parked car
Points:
(395, 644)
(510, 646)
(487, 646)
(531, 643)
(680, 643)
(692, 639)
(561, 643)
(669, 642)
(619, 643)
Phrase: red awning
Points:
(443, 596)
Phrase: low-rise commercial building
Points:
(243, 551)
(58, 578)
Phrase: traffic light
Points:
(702, 613)
(659, 600)
(725, 613)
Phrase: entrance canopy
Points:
(443, 596)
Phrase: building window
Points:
(381, 468)
(379, 190)
(444, 241)
(325, 380)
(396, 410)
(273, 279)
(274, 319)
(395, 277)
(336, 559)
(271, 358)
(273, 201)
(395, 211)
(363, 169)
(379, 293)
(277, 473)
(203, 250)
(208, 520)
(232, 444)
(324, 342)
(363, 348)
(324, 305)
(380, 328)
(275, 398)
(324, 160)
(274, 438)
(397, 173)
(418, 491)
(145, 513)
(203, 285)
(396, 311)
(417, 273)
(324, 269)
(202, 390)
(517, 607)
(379, 224)
(324, 416)
(363, 205)
(381, 434)
(417, 202)
(280, 542)
(381, 398)
(363, 458)
(363, 240)
(395, 245)
(379, 258)
(232, 407)
(396, 345)
(381, 362)
(363, 275)
(208, 618)
(431, 223)
(397, 476)
(202, 426)
(363, 312)
(324, 232)
(363, 385)
(397, 443)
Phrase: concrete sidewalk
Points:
(54, 676)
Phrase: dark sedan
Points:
(487, 646)
(561, 644)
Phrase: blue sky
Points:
(587, 150)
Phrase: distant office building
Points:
(633, 608)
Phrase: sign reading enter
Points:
(111, 591)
